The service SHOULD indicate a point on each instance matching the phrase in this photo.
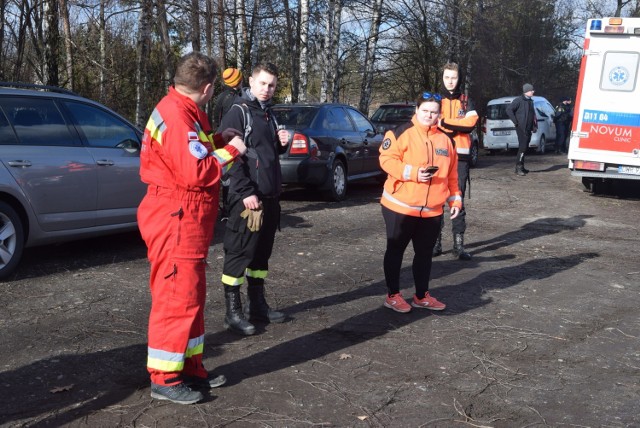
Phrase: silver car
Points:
(69, 170)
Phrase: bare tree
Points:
(143, 50)
(166, 41)
(66, 28)
(370, 56)
(195, 25)
(51, 40)
(304, 49)
(331, 43)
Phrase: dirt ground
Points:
(541, 329)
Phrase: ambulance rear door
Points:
(605, 137)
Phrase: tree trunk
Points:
(370, 57)
(304, 49)
(291, 40)
(66, 27)
(103, 53)
(336, 26)
(166, 41)
(195, 25)
(51, 41)
(330, 53)
(222, 32)
(2, 65)
(143, 50)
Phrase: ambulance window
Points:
(619, 71)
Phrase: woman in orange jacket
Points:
(421, 164)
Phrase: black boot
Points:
(458, 247)
(520, 170)
(257, 308)
(437, 249)
(234, 319)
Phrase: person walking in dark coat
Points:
(523, 116)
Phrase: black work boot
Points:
(520, 170)
(257, 308)
(234, 319)
(458, 247)
(437, 249)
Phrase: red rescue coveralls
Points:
(176, 219)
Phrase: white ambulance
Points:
(605, 136)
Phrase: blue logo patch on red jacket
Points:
(442, 152)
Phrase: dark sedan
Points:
(332, 145)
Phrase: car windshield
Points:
(295, 116)
(393, 114)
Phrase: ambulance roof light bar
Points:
(613, 26)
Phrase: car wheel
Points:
(473, 154)
(338, 181)
(541, 146)
(11, 240)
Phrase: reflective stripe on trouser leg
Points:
(176, 321)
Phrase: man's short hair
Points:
(265, 66)
(194, 70)
(451, 66)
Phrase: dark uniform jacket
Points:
(259, 173)
(522, 114)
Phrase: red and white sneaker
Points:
(397, 303)
(428, 302)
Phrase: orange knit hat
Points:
(232, 77)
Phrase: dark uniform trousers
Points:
(244, 249)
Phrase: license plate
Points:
(633, 170)
(501, 132)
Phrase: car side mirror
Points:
(129, 146)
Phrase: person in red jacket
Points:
(181, 162)
(421, 164)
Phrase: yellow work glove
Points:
(254, 218)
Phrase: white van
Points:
(499, 131)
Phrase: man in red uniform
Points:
(182, 167)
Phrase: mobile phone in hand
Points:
(432, 169)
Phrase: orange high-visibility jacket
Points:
(458, 120)
(404, 150)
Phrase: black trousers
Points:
(562, 130)
(247, 252)
(524, 138)
(459, 224)
(402, 229)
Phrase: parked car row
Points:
(69, 170)
(70, 166)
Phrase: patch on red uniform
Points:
(197, 149)
(192, 136)
(386, 143)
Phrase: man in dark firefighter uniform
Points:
(182, 167)
(254, 202)
(458, 119)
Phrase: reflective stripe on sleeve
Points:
(407, 172)
(156, 126)
(223, 157)
(463, 151)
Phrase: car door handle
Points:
(105, 162)
(19, 163)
